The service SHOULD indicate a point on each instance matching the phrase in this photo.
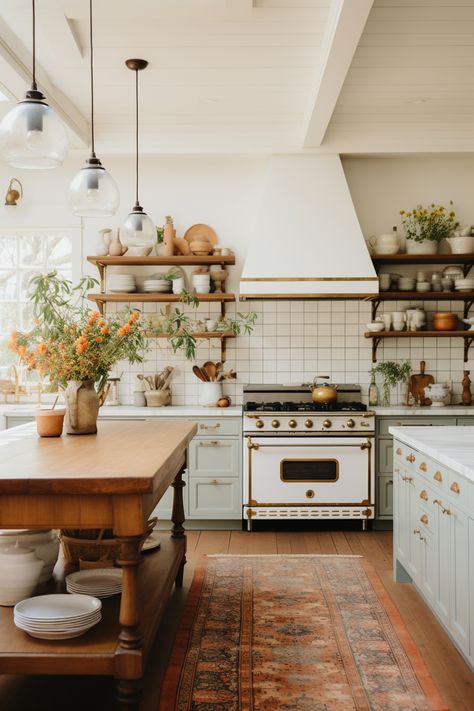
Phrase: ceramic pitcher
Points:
(82, 407)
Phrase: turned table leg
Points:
(129, 641)
(177, 518)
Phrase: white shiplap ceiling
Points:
(410, 86)
(243, 76)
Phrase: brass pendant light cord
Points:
(33, 77)
(136, 139)
(92, 81)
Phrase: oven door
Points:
(309, 471)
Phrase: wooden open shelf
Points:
(135, 297)
(196, 334)
(96, 651)
(377, 336)
(466, 260)
(181, 260)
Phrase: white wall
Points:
(293, 340)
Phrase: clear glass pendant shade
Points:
(32, 136)
(93, 193)
(138, 230)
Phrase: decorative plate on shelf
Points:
(200, 233)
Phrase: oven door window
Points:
(309, 470)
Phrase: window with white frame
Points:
(24, 253)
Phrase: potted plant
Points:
(425, 227)
(75, 346)
(392, 373)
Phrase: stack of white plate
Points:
(464, 284)
(121, 283)
(99, 582)
(202, 283)
(161, 285)
(57, 616)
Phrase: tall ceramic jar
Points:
(168, 237)
(82, 407)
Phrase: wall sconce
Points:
(13, 195)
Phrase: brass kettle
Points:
(323, 393)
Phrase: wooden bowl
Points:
(201, 248)
(445, 321)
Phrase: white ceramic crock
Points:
(209, 394)
(44, 543)
(426, 247)
(20, 570)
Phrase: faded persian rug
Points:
(294, 633)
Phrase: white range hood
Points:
(307, 241)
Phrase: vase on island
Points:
(82, 407)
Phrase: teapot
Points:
(385, 244)
(323, 393)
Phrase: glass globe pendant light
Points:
(138, 229)
(93, 192)
(31, 135)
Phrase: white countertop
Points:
(130, 411)
(447, 411)
(451, 446)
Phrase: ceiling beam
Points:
(15, 69)
(346, 22)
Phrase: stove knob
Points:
(350, 424)
(292, 424)
(275, 423)
(259, 424)
(308, 423)
(327, 424)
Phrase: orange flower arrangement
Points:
(71, 342)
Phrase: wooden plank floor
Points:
(451, 674)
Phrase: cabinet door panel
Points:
(214, 458)
(385, 456)
(384, 496)
(444, 554)
(401, 522)
(459, 578)
(217, 498)
(471, 586)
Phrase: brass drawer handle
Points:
(214, 481)
(423, 467)
(446, 511)
(209, 427)
(424, 495)
(417, 532)
(437, 502)
(437, 476)
(213, 443)
(407, 478)
(455, 487)
(411, 458)
(424, 519)
(398, 451)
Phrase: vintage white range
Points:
(307, 461)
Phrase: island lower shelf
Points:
(95, 652)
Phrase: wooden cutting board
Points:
(417, 384)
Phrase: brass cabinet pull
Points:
(437, 476)
(411, 458)
(424, 495)
(437, 502)
(423, 467)
(446, 511)
(422, 539)
(398, 451)
(213, 443)
(455, 487)
(214, 481)
(407, 478)
(209, 427)
(424, 519)
(417, 532)
(310, 494)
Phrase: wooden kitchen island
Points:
(110, 480)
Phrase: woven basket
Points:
(95, 548)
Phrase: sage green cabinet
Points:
(385, 496)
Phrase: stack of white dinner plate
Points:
(160, 285)
(120, 283)
(99, 582)
(464, 284)
(57, 616)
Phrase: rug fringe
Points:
(281, 555)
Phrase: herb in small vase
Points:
(392, 373)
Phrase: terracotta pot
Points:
(82, 407)
(49, 423)
(445, 321)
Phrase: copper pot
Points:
(445, 321)
(323, 393)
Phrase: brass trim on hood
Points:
(309, 279)
(292, 295)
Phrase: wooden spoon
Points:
(200, 373)
(210, 368)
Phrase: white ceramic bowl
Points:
(375, 326)
(423, 286)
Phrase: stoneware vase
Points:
(82, 407)
(428, 246)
